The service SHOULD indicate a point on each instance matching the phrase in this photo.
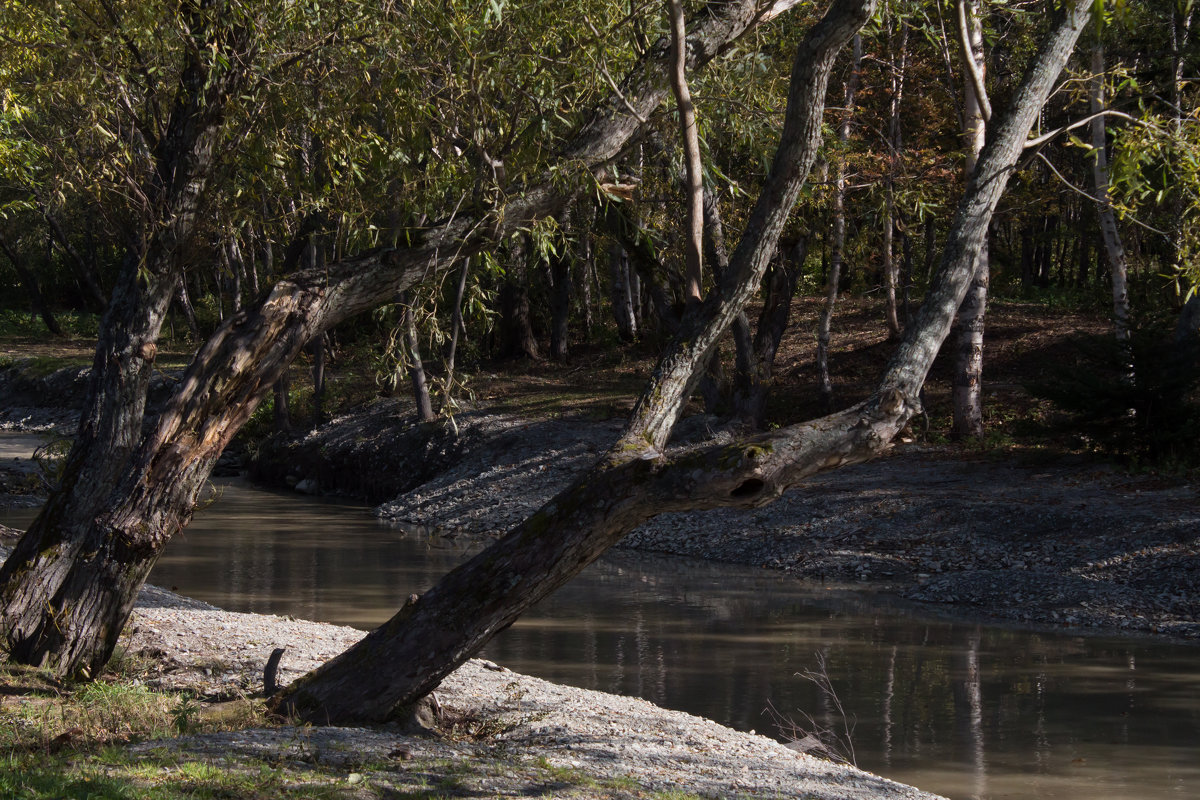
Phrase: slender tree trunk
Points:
(838, 242)
(898, 66)
(416, 367)
(586, 275)
(621, 295)
(560, 303)
(184, 301)
(456, 328)
(693, 255)
(31, 285)
(1114, 251)
(282, 413)
(712, 386)
(750, 400)
(968, 366)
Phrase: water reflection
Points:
(965, 710)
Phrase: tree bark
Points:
(70, 583)
(416, 368)
(434, 633)
(72, 577)
(456, 328)
(755, 377)
(560, 304)
(968, 366)
(838, 241)
(1114, 251)
(690, 138)
(897, 68)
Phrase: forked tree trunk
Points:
(70, 583)
(755, 377)
(837, 245)
(405, 658)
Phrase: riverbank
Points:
(496, 734)
(1044, 540)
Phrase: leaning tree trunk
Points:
(70, 583)
(968, 363)
(838, 242)
(404, 659)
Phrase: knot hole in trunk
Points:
(748, 488)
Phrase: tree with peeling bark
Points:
(434, 633)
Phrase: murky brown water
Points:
(965, 710)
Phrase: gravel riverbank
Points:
(497, 734)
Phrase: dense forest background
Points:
(352, 125)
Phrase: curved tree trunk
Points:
(70, 583)
(434, 633)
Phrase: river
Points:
(975, 712)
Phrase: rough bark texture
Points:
(560, 304)
(71, 580)
(968, 361)
(416, 368)
(69, 585)
(897, 68)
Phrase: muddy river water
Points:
(970, 711)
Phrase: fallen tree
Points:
(405, 658)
